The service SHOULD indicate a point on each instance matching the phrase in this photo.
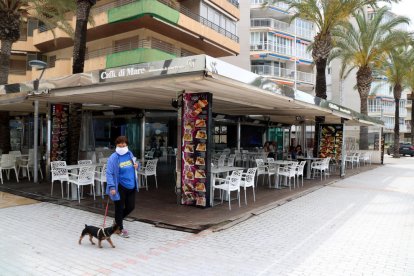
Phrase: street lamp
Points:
(39, 65)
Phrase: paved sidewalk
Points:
(362, 225)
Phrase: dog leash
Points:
(106, 211)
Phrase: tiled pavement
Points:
(362, 225)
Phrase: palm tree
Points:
(396, 68)
(83, 8)
(326, 15)
(360, 46)
(12, 14)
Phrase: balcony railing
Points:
(277, 48)
(277, 4)
(282, 73)
(272, 23)
(143, 43)
(282, 26)
(306, 77)
(234, 3)
(178, 8)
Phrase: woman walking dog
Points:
(122, 182)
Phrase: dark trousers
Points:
(125, 205)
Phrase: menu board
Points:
(196, 140)
(331, 139)
(60, 119)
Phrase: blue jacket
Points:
(112, 175)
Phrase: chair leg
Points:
(254, 195)
(93, 189)
(156, 184)
(78, 195)
(245, 196)
(229, 199)
(61, 187)
(238, 195)
(102, 189)
(28, 173)
(146, 182)
(51, 189)
(17, 176)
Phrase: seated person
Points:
(292, 152)
(299, 150)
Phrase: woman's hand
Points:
(113, 192)
(136, 166)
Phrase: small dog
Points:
(100, 233)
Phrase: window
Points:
(217, 18)
(52, 62)
(220, 134)
(126, 44)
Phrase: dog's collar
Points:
(103, 231)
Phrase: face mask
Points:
(121, 151)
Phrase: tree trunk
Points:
(6, 46)
(364, 80)
(412, 117)
(79, 47)
(320, 88)
(397, 96)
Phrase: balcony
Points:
(281, 26)
(160, 16)
(271, 47)
(272, 23)
(271, 71)
(276, 4)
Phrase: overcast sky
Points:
(406, 8)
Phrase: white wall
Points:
(243, 31)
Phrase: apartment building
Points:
(278, 47)
(381, 104)
(129, 32)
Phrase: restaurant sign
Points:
(196, 148)
(152, 69)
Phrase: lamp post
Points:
(40, 65)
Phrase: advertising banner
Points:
(331, 140)
(60, 119)
(196, 148)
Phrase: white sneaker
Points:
(124, 233)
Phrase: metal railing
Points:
(143, 43)
(234, 3)
(272, 47)
(272, 23)
(283, 73)
(178, 8)
(277, 4)
(283, 27)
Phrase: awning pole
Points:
(238, 134)
(36, 138)
(143, 137)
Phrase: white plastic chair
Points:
(85, 177)
(84, 162)
(28, 164)
(59, 172)
(246, 181)
(103, 160)
(231, 183)
(261, 169)
(8, 162)
(100, 176)
(299, 171)
(288, 172)
(149, 169)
